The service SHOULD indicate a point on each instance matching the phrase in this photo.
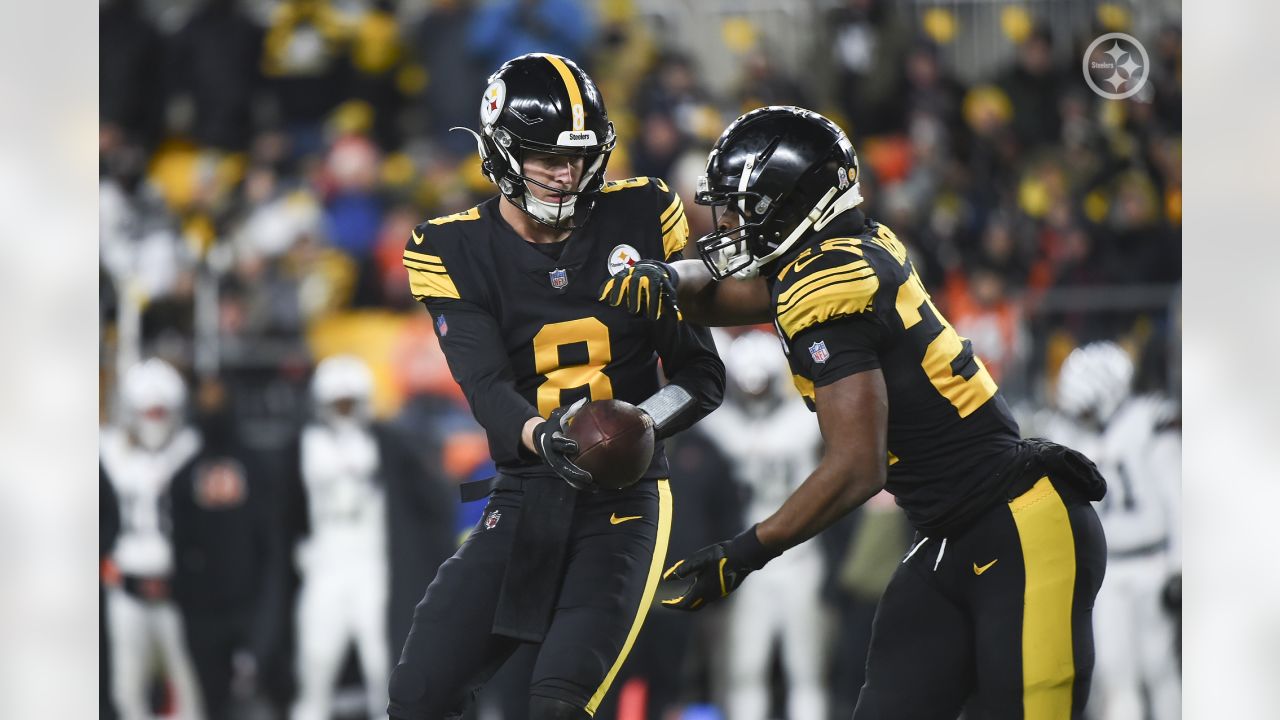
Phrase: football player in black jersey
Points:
(511, 285)
(991, 608)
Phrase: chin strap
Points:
(552, 213)
(822, 213)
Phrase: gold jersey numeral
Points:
(947, 354)
(546, 360)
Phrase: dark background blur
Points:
(261, 164)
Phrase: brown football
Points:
(615, 442)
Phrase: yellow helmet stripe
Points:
(575, 95)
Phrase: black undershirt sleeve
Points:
(472, 345)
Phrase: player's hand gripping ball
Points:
(615, 442)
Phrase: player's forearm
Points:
(853, 415)
(504, 413)
(526, 433)
(827, 495)
(691, 363)
(728, 302)
(505, 416)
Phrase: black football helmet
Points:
(785, 171)
(544, 103)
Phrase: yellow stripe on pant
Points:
(1048, 552)
(646, 599)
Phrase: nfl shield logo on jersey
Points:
(491, 520)
(819, 351)
(442, 327)
(559, 278)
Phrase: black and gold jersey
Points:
(520, 325)
(851, 301)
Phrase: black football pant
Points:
(996, 620)
(617, 548)
(212, 640)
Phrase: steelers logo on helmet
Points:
(537, 106)
(622, 257)
(495, 98)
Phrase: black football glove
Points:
(713, 572)
(558, 451)
(647, 289)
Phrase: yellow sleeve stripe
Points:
(859, 267)
(674, 239)
(423, 258)
(570, 85)
(675, 207)
(851, 283)
(828, 303)
(433, 269)
(431, 284)
(675, 220)
(472, 214)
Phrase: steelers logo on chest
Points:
(622, 257)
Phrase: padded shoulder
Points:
(650, 196)
(425, 256)
(823, 283)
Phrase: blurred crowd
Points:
(263, 161)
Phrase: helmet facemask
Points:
(342, 390)
(503, 153)
(741, 251)
(516, 185)
(155, 426)
(153, 395)
(728, 251)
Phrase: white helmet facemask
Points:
(1095, 380)
(555, 213)
(551, 213)
(339, 378)
(153, 395)
(153, 433)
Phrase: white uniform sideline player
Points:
(766, 431)
(343, 562)
(140, 459)
(1133, 440)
